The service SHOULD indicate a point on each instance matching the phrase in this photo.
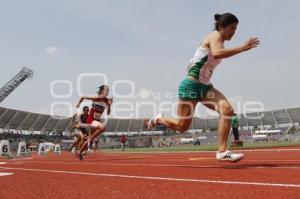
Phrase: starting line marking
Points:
(161, 178)
(3, 162)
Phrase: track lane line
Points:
(160, 178)
(253, 166)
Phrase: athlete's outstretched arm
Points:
(110, 101)
(218, 51)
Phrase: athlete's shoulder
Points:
(211, 36)
(99, 98)
(104, 100)
(214, 35)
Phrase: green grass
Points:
(214, 147)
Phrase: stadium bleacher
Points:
(11, 119)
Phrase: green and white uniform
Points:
(234, 121)
(201, 68)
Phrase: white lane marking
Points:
(124, 164)
(161, 178)
(21, 159)
(249, 166)
(5, 174)
(167, 153)
(240, 150)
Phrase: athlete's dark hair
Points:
(101, 88)
(85, 107)
(225, 20)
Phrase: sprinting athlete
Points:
(80, 132)
(198, 88)
(99, 104)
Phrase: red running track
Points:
(262, 174)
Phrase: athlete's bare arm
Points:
(218, 51)
(110, 101)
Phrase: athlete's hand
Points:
(77, 105)
(110, 101)
(253, 42)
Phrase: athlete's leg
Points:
(96, 129)
(215, 100)
(98, 132)
(76, 141)
(95, 147)
(89, 140)
(183, 121)
(80, 139)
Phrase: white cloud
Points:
(51, 50)
(145, 93)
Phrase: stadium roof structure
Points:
(11, 85)
(11, 119)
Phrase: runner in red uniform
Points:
(99, 104)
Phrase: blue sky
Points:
(147, 42)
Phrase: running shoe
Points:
(229, 156)
(79, 156)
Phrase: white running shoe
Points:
(229, 156)
(152, 123)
